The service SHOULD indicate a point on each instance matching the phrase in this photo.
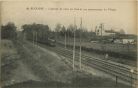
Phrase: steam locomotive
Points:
(49, 41)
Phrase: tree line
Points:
(69, 31)
(43, 31)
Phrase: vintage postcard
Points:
(68, 44)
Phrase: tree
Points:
(63, 31)
(122, 31)
(57, 30)
(8, 31)
(42, 31)
(70, 30)
(58, 27)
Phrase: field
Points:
(124, 49)
(24, 63)
(122, 53)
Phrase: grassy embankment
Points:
(9, 56)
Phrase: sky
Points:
(113, 14)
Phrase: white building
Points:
(100, 31)
(124, 41)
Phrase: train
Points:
(49, 41)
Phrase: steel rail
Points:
(113, 69)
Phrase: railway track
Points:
(119, 71)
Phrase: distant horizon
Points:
(20, 29)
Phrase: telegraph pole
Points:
(65, 39)
(33, 38)
(102, 29)
(80, 43)
(132, 71)
(36, 39)
(74, 44)
(23, 36)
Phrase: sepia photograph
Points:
(68, 44)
